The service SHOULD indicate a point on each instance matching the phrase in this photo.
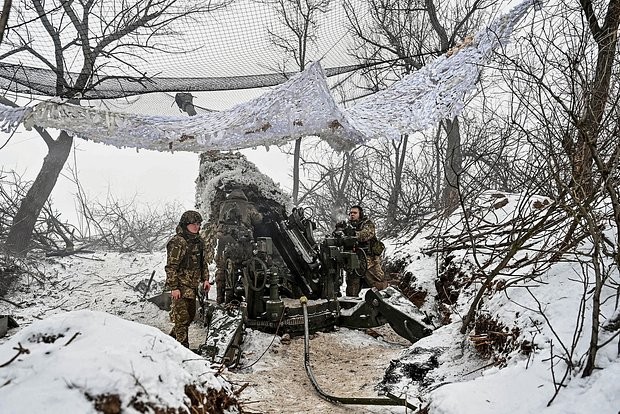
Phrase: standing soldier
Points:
(236, 220)
(365, 232)
(186, 268)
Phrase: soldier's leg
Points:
(353, 284)
(231, 274)
(220, 272)
(181, 315)
(374, 275)
(220, 284)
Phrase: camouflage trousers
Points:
(235, 251)
(373, 277)
(182, 314)
(220, 283)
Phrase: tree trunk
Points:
(606, 38)
(596, 315)
(438, 159)
(4, 18)
(453, 166)
(20, 234)
(400, 153)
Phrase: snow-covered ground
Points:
(99, 294)
(87, 342)
(109, 347)
(76, 361)
(546, 314)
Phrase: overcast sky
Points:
(152, 177)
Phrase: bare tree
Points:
(603, 28)
(102, 36)
(300, 20)
(328, 184)
(112, 224)
(338, 180)
(579, 116)
(400, 38)
(565, 89)
(50, 231)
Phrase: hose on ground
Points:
(392, 400)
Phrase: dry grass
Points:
(200, 402)
(494, 340)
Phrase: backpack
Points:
(376, 246)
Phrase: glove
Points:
(341, 225)
(349, 231)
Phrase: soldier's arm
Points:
(210, 241)
(367, 231)
(205, 277)
(175, 252)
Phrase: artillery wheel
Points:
(256, 277)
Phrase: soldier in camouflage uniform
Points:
(186, 268)
(365, 232)
(237, 217)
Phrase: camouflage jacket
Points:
(237, 212)
(364, 231)
(236, 216)
(187, 263)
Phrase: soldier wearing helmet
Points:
(236, 220)
(364, 229)
(186, 269)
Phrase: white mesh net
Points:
(300, 107)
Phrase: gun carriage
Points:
(285, 265)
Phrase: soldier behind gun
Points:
(186, 268)
(364, 229)
(236, 219)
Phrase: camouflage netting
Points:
(38, 81)
(226, 48)
(221, 172)
(302, 106)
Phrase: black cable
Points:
(271, 343)
(392, 400)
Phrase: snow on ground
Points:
(78, 346)
(73, 360)
(546, 311)
(444, 370)
(71, 294)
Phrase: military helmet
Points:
(237, 194)
(189, 217)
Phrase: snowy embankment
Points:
(530, 325)
(83, 361)
(515, 359)
(73, 352)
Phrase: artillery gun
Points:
(288, 267)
